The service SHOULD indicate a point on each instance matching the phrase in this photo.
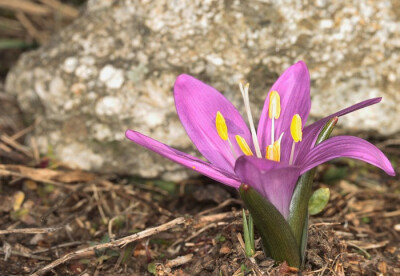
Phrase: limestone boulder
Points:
(114, 69)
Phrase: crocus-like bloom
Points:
(271, 159)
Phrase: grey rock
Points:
(115, 66)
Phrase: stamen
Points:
(274, 151)
(297, 134)
(222, 130)
(274, 108)
(292, 153)
(220, 124)
(280, 137)
(277, 151)
(235, 155)
(274, 111)
(245, 95)
(243, 145)
(295, 128)
(269, 152)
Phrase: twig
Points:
(39, 37)
(11, 142)
(31, 230)
(35, 150)
(26, 255)
(25, 6)
(68, 244)
(241, 242)
(325, 223)
(179, 260)
(369, 245)
(220, 206)
(201, 231)
(26, 130)
(391, 214)
(65, 10)
(218, 217)
(55, 183)
(98, 203)
(117, 243)
(363, 251)
(5, 148)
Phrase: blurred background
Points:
(28, 24)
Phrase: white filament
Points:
(234, 153)
(273, 128)
(292, 154)
(245, 95)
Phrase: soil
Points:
(48, 210)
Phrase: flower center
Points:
(273, 151)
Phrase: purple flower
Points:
(270, 160)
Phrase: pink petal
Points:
(197, 105)
(293, 87)
(311, 132)
(273, 180)
(347, 146)
(184, 159)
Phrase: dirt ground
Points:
(59, 221)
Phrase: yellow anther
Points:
(243, 145)
(295, 128)
(274, 108)
(274, 152)
(221, 126)
(277, 151)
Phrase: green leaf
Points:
(304, 238)
(302, 193)
(220, 238)
(318, 201)
(276, 235)
(247, 238)
(13, 44)
(168, 186)
(128, 250)
(244, 268)
(251, 232)
(151, 268)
